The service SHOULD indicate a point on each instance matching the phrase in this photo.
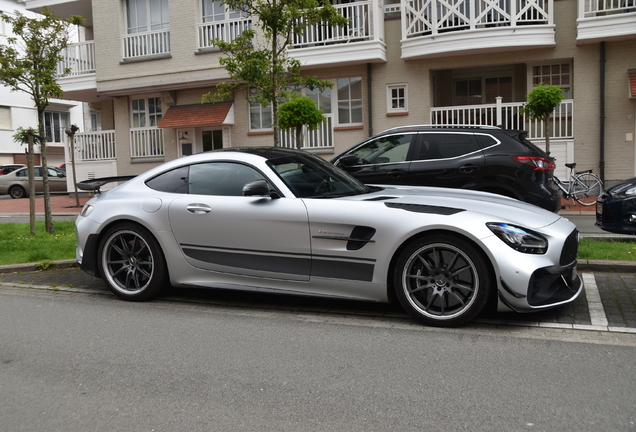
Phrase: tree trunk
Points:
(72, 139)
(299, 137)
(48, 223)
(29, 155)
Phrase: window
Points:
(468, 92)
(96, 121)
(220, 178)
(386, 149)
(215, 10)
(173, 181)
(396, 98)
(5, 118)
(554, 74)
(147, 15)
(146, 112)
(260, 116)
(495, 87)
(55, 123)
(349, 101)
(212, 140)
(446, 146)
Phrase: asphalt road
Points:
(78, 361)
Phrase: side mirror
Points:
(256, 188)
(349, 160)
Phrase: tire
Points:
(442, 280)
(587, 187)
(16, 192)
(131, 262)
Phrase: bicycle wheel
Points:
(586, 188)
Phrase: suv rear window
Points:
(446, 145)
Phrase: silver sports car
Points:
(286, 221)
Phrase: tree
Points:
(261, 62)
(71, 135)
(29, 63)
(297, 112)
(28, 136)
(542, 101)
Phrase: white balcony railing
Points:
(146, 44)
(508, 116)
(224, 30)
(79, 58)
(316, 139)
(360, 27)
(432, 17)
(95, 146)
(146, 142)
(594, 8)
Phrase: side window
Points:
(386, 149)
(221, 178)
(22, 173)
(486, 141)
(446, 146)
(173, 181)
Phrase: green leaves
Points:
(541, 101)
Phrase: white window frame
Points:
(147, 115)
(350, 102)
(63, 120)
(390, 98)
(163, 24)
(226, 15)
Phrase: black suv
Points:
(485, 158)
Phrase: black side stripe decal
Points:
(360, 270)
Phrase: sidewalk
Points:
(60, 204)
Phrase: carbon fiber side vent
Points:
(418, 208)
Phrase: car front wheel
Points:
(442, 280)
(17, 192)
(131, 262)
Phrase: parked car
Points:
(481, 158)
(16, 183)
(286, 221)
(6, 169)
(62, 167)
(616, 208)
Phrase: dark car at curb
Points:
(483, 158)
(616, 208)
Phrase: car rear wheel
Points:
(442, 280)
(17, 192)
(131, 262)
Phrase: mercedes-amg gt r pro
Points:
(286, 221)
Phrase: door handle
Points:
(395, 173)
(198, 208)
(468, 168)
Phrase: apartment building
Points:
(144, 65)
(17, 110)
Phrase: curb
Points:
(28, 267)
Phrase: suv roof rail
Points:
(451, 126)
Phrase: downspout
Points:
(602, 114)
(370, 98)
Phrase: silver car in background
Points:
(286, 221)
(16, 183)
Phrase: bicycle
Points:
(584, 186)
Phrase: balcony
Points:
(227, 31)
(149, 44)
(508, 116)
(436, 28)
(319, 139)
(95, 146)
(146, 144)
(605, 20)
(78, 59)
(360, 41)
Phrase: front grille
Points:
(606, 217)
(570, 249)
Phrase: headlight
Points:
(520, 239)
(86, 210)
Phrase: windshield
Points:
(309, 176)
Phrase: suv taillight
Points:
(537, 163)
